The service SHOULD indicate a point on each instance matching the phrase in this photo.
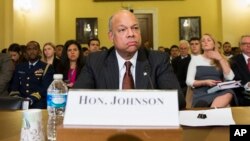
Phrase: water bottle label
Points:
(56, 101)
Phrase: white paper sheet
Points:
(214, 117)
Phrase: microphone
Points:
(147, 74)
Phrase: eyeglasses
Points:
(245, 44)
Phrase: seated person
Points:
(205, 71)
(71, 63)
(32, 78)
(6, 71)
(241, 67)
(128, 61)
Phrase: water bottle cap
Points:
(58, 76)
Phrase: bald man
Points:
(149, 69)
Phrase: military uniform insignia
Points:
(39, 72)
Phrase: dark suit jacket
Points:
(101, 72)
(6, 71)
(239, 67)
(180, 67)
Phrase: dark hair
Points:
(84, 49)
(104, 48)
(93, 39)
(59, 46)
(4, 50)
(15, 48)
(65, 60)
(173, 46)
(194, 39)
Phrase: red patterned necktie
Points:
(248, 64)
(128, 82)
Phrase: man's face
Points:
(227, 48)
(245, 45)
(174, 52)
(184, 49)
(33, 52)
(94, 46)
(59, 51)
(195, 47)
(125, 34)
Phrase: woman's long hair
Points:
(66, 62)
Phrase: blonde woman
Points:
(49, 55)
(205, 71)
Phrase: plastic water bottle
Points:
(56, 102)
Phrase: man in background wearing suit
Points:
(106, 69)
(6, 71)
(241, 67)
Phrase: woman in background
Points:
(71, 62)
(205, 71)
(16, 54)
(49, 55)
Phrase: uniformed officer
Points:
(32, 78)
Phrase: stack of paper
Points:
(224, 85)
(214, 117)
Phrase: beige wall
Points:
(54, 20)
(167, 15)
(235, 20)
(37, 23)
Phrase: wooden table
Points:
(11, 122)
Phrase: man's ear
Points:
(111, 36)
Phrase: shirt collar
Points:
(121, 61)
(245, 57)
(33, 64)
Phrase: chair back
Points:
(189, 97)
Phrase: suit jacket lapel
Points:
(243, 64)
(142, 67)
(111, 71)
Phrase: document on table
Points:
(210, 117)
(224, 85)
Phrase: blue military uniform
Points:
(31, 81)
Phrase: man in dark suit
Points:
(32, 78)
(150, 69)
(241, 67)
(180, 65)
(6, 71)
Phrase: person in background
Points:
(236, 51)
(205, 71)
(180, 64)
(147, 45)
(240, 65)
(85, 51)
(6, 71)
(227, 49)
(106, 69)
(94, 45)
(4, 50)
(195, 46)
(49, 56)
(31, 79)
(103, 48)
(174, 52)
(16, 54)
(71, 62)
(59, 49)
(161, 48)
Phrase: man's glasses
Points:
(245, 44)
